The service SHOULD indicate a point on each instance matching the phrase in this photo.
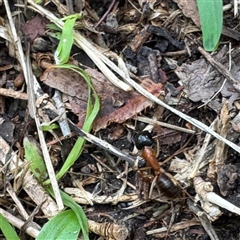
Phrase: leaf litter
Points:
(159, 46)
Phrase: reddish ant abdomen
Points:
(167, 187)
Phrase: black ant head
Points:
(143, 139)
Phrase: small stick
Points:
(32, 231)
(105, 14)
(224, 71)
(155, 122)
(14, 94)
(133, 161)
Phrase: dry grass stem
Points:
(155, 122)
(14, 94)
(18, 223)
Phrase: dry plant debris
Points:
(150, 73)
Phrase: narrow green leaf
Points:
(49, 127)
(65, 45)
(65, 225)
(211, 17)
(82, 219)
(33, 154)
(53, 26)
(7, 230)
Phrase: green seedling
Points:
(76, 215)
(211, 17)
(33, 155)
(49, 127)
(7, 230)
(63, 50)
(63, 226)
(62, 56)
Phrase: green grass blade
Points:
(82, 219)
(49, 127)
(63, 50)
(211, 17)
(7, 230)
(65, 225)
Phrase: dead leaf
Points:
(116, 105)
(189, 9)
(35, 27)
(201, 81)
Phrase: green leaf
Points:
(33, 155)
(38, 1)
(81, 217)
(65, 225)
(7, 230)
(53, 26)
(49, 127)
(63, 50)
(211, 17)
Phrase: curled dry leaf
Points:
(201, 81)
(116, 104)
(110, 231)
(203, 189)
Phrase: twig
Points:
(195, 165)
(217, 65)
(160, 232)
(109, 230)
(63, 123)
(33, 232)
(46, 155)
(155, 122)
(18, 203)
(134, 162)
(203, 219)
(14, 94)
(78, 196)
(105, 14)
(210, 201)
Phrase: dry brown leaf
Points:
(201, 81)
(116, 105)
(189, 9)
(35, 27)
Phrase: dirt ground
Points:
(183, 183)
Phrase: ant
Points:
(167, 184)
